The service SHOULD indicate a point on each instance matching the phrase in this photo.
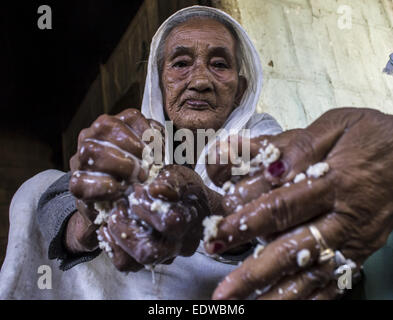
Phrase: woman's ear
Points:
(241, 88)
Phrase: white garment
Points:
(186, 278)
(97, 279)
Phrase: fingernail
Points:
(217, 246)
(277, 168)
(218, 296)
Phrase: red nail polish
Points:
(277, 168)
(218, 246)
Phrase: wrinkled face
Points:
(200, 82)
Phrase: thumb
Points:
(163, 189)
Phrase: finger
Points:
(224, 155)
(168, 218)
(164, 190)
(113, 130)
(191, 240)
(173, 203)
(295, 157)
(285, 256)
(297, 150)
(139, 240)
(301, 148)
(74, 162)
(346, 275)
(244, 191)
(99, 156)
(109, 131)
(134, 119)
(158, 136)
(90, 186)
(158, 126)
(175, 182)
(274, 212)
(301, 285)
(121, 260)
(147, 131)
(86, 209)
(257, 155)
(330, 292)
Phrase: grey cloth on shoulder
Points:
(55, 207)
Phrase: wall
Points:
(311, 64)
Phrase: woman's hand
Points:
(109, 159)
(347, 197)
(109, 156)
(157, 222)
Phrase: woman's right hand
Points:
(109, 156)
(107, 162)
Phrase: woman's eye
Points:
(220, 65)
(180, 64)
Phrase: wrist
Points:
(80, 235)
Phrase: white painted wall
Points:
(318, 65)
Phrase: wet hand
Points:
(109, 156)
(156, 222)
(336, 175)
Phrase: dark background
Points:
(44, 74)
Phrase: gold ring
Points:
(326, 253)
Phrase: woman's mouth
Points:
(197, 104)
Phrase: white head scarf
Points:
(152, 105)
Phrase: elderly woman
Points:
(204, 73)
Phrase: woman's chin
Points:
(199, 118)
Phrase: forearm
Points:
(55, 210)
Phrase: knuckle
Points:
(132, 112)
(284, 253)
(77, 188)
(231, 202)
(250, 281)
(89, 148)
(74, 162)
(130, 116)
(147, 255)
(280, 213)
(162, 190)
(316, 279)
(170, 223)
(103, 119)
(88, 154)
(156, 125)
(83, 135)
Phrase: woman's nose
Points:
(200, 80)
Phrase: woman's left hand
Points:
(157, 222)
(345, 205)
